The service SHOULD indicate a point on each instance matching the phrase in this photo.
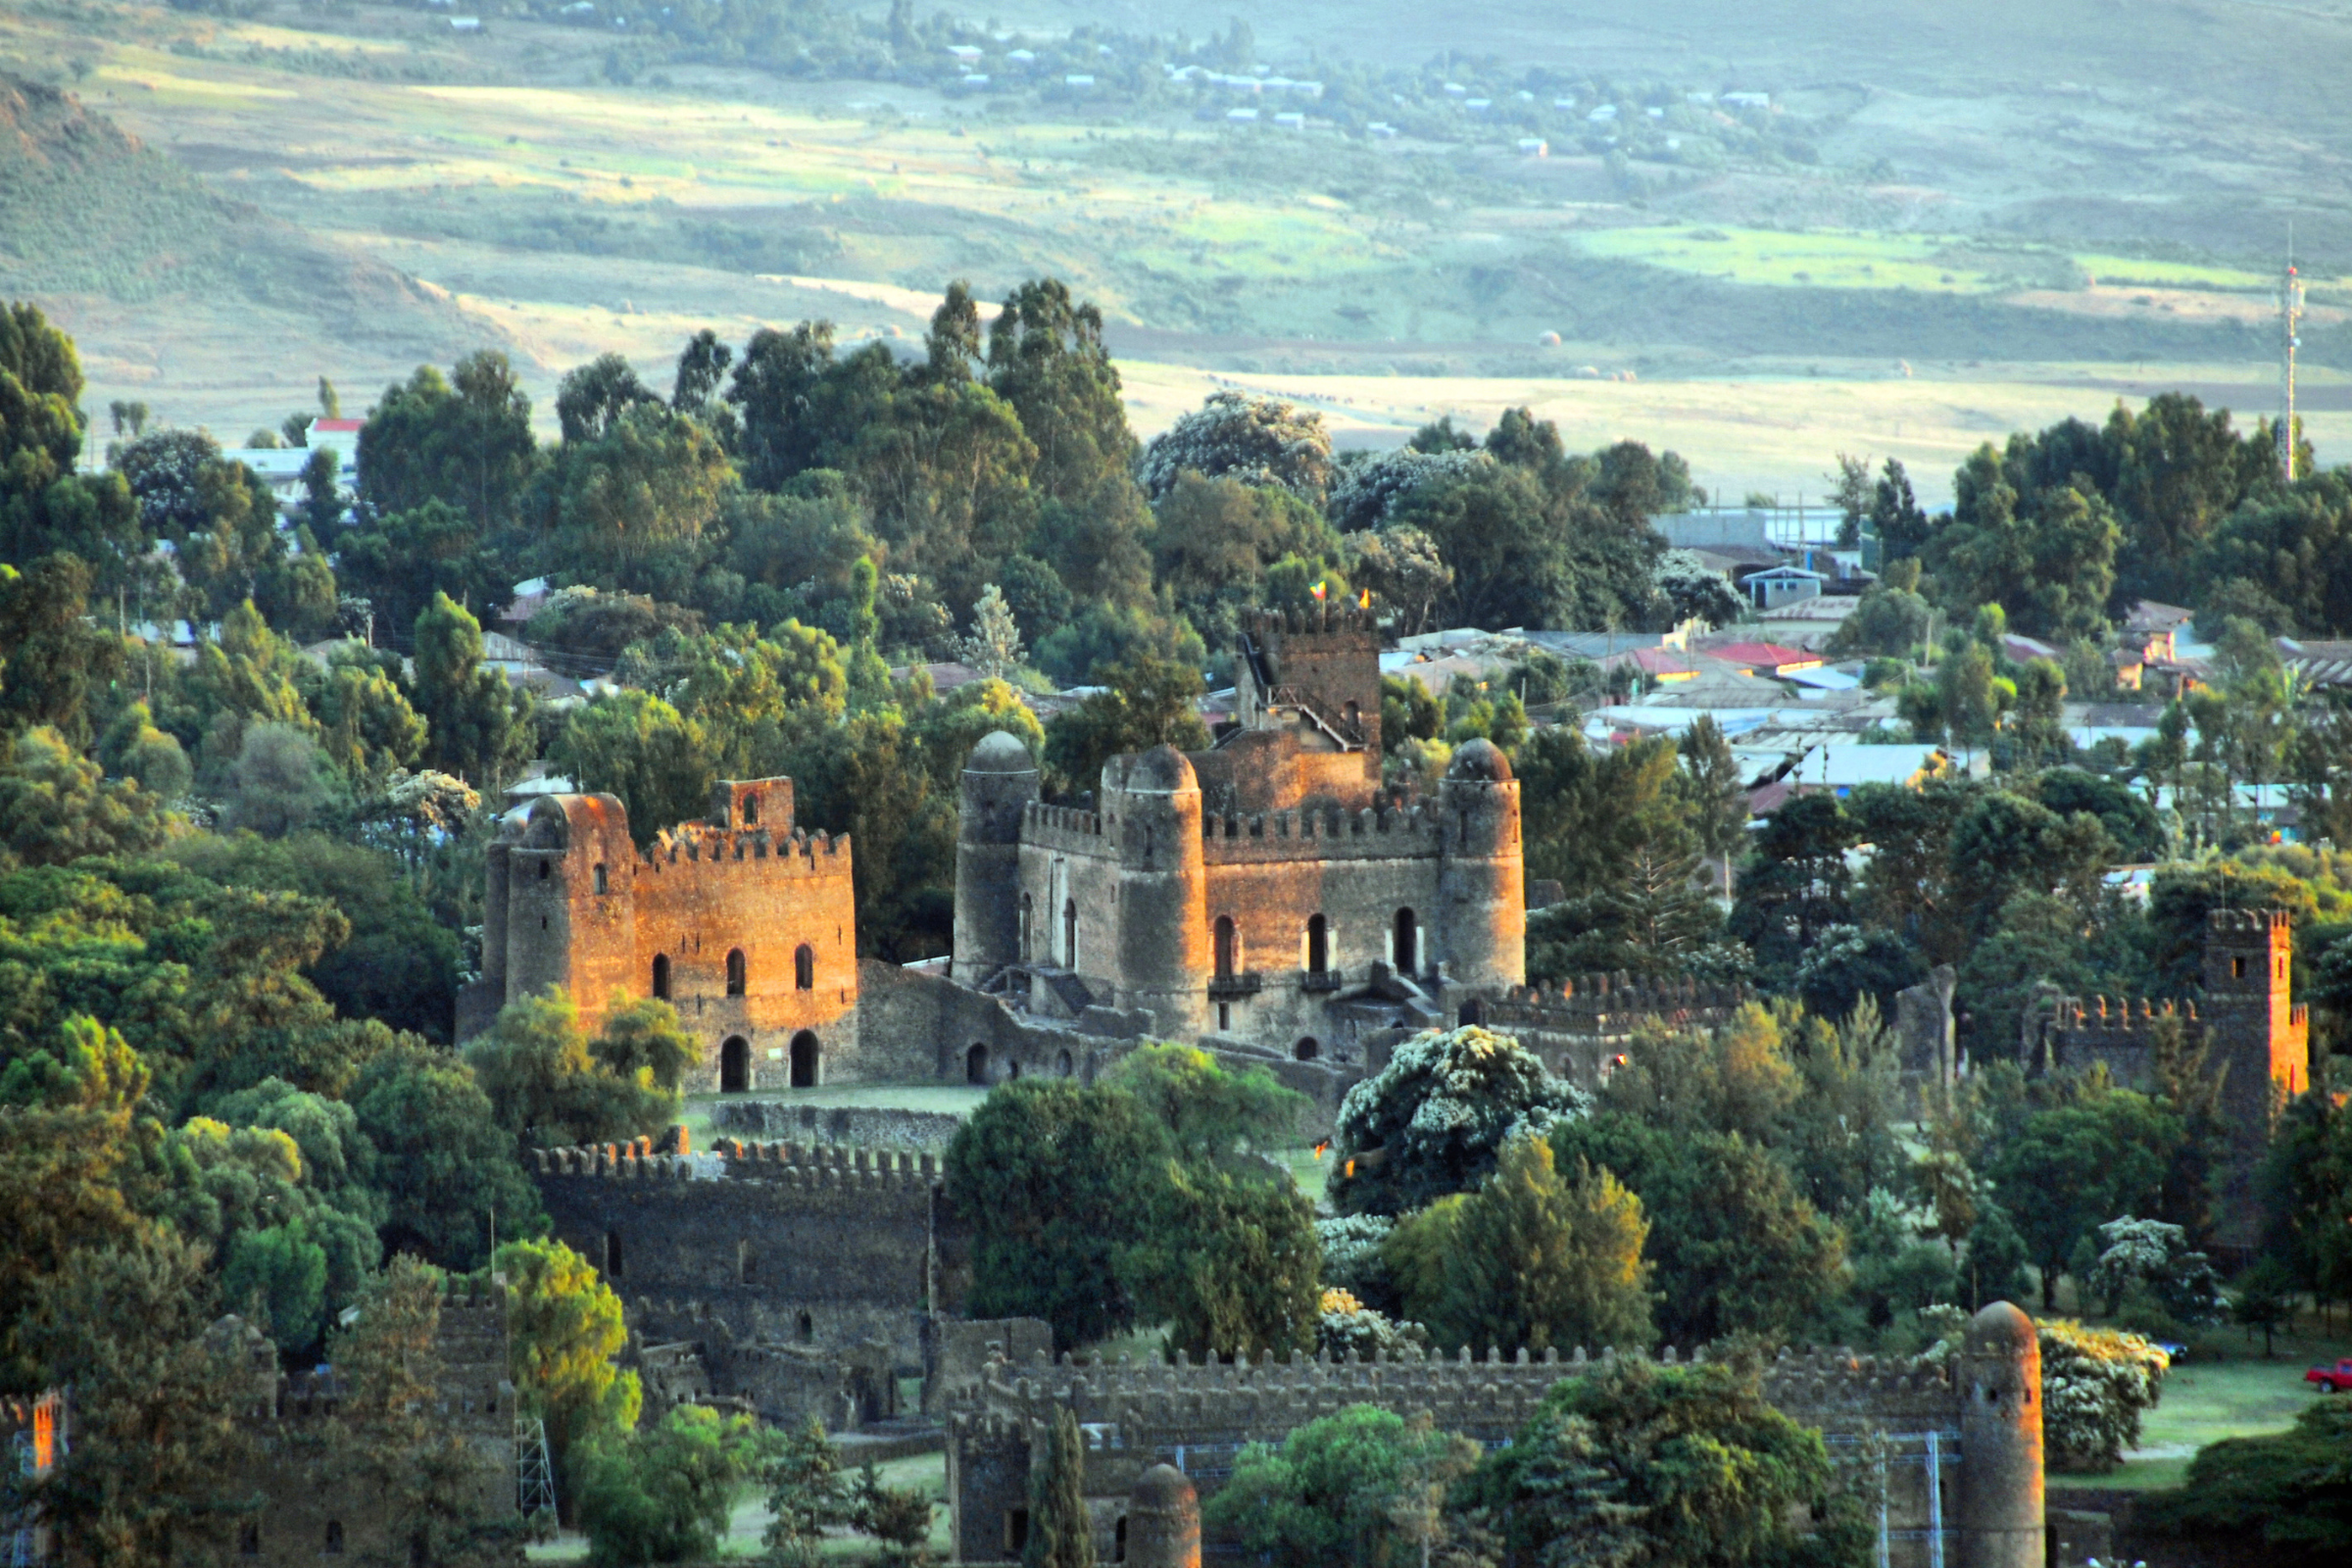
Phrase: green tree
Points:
(464, 439)
(1677, 1466)
(665, 1494)
(1537, 1259)
(1047, 1173)
(51, 660)
(1148, 703)
(638, 746)
(57, 807)
(552, 1088)
(1215, 1114)
(388, 1437)
(1061, 1532)
(650, 481)
(2075, 1166)
(1434, 1119)
(444, 1165)
(564, 1328)
(154, 1401)
(1046, 358)
(1229, 1264)
(808, 1493)
(1353, 1487)
(2288, 1489)
(480, 730)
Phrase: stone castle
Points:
(2250, 1029)
(745, 924)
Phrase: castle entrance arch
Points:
(734, 1065)
(805, 1055)
(975, 1065)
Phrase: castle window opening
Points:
(1228, 938)
(738, 972)
(1318, 944)
(1224, 1015)
(1070, 933)
(808, 1329)
(1118, 1541)
(1016, 1530)
(805, 1055)
(604, 883)
(612, 1254)
(803, 967)
(249, 1541)
(334, 1537)
(975, 1065)
(541, 870)
(751, 810)
(1307, 1048)
(1408, 943)
(734, 1065)
(747, 1265)
(1012, 1070)
(2238, 968)
(1064, 1064)
(662, 976)
(1028, 912)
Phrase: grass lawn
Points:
(926, 1472)
(2207, 1399)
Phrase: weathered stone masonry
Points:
(744, 923)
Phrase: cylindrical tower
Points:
(1162, 919)
(1000, 781)
(494, 912)
(1481, 884)
(1163, 1520)
(1999, 1378)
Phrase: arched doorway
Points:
(1228, 941)
(1064, 1064)
(1012, 1072)
(662, 976)
(1318, 944)
(1307, 1048)
(738, 972)
(805, 1059)
(734, 1065)
(975, 1065)
(1408, 943)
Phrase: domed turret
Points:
(1158, 924)
(1480, 762)
(1163, 1520)
(1999, 1378)
(999, 784)
(1161, 770)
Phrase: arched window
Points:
(1318, 944)
(334, 1537)
(662, 976)
(975, 1065)
(612, 1254)
(1070, 933)
(738, 972)
(249, 1541)
(751, 809)
(1028, 913)
(1408, 943)
(1227, 941)
(602, 885)
(541, 870)
(1012, 1070)
(803, 1060)
(747, 1264)
(734, 1065)
(1307, 1048)
(1063, 1064)
(808, 1329)
(803, 967)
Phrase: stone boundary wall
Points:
(854, 1126)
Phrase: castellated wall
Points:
(1581, 1029)
(785, 1243)
(308, 1512)
(742, 922)
(1957, 1438)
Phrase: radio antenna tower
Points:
(2291, 321)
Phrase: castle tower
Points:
(1000, 781)
(571, 914)
(1482, 882)
(1150, 805)
(2000, 1504)
(2254, 1030)
(1323, 663)
(1163, 1520)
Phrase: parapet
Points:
(806, 1166)
(2248, 922)
(701, 848)
(1372, 833)
(1609, 1003)
(1320, 619)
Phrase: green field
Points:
(2208, 1399)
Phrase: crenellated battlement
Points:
(1322, 619)
(699, 847)
(1612, 1004)
(2249, 924)
(1382, 833)
(805, 1166)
